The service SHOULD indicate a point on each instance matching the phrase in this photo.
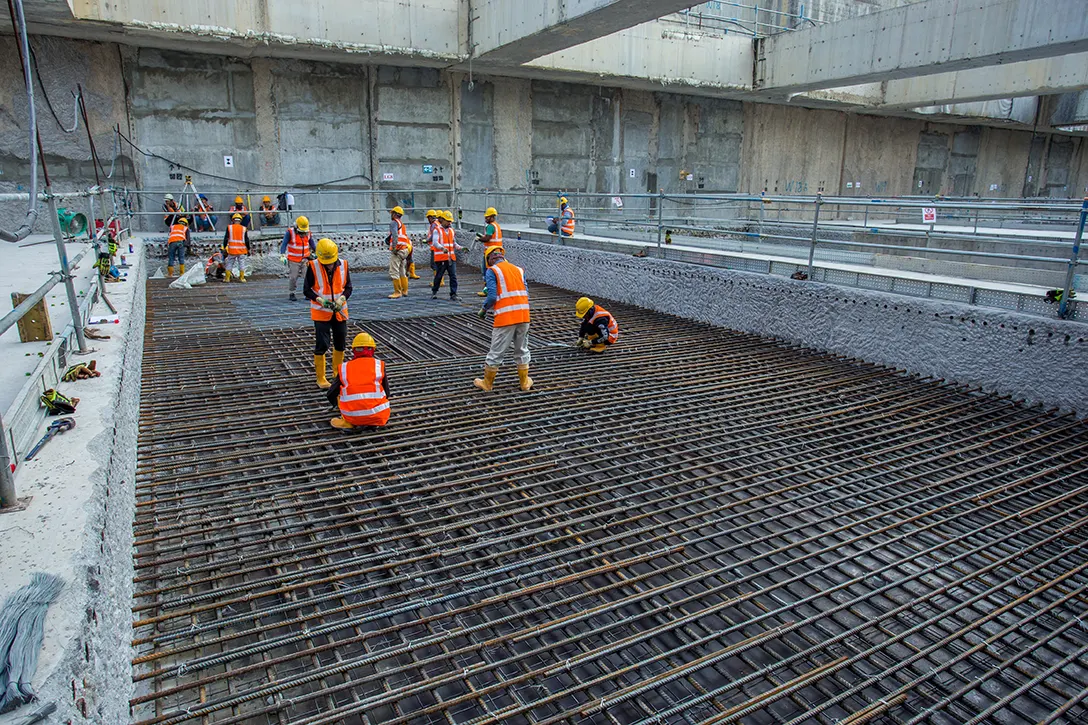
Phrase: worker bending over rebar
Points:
(599, 328)
(360, 388)
(508, 294)
(328, 287)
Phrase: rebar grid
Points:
(699, 526)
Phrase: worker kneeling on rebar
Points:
(508, 294)
(599, 328)
(361, 388)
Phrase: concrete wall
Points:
(1028, 358)
(384, 129)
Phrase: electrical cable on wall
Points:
(75, 96)
(18, 22)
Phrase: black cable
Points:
(247, 182)
(38, 75)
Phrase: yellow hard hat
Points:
(397, 210)
(326, 251)
(237, 200)
(183, 220)
(303, 224)
(236, 218)
(447, 215)
(582, 306)
(563, 200)
(491, 211)
(363, 339)
(267, 198)
(431, 213)
(491, 250)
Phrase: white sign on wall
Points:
(387, 176)
(228, 161)
(929, 215)
(632, 173)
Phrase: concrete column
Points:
(268, 125)
(513, 132)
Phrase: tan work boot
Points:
(226, 277)
(242, 276)
(183, 269)
(523, 377)
(340, 423)
(319, 368)
(487, 382)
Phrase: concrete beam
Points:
(925, 38)
(1044, 77)
(652, 57)
(515, 31)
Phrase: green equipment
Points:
(71, 222)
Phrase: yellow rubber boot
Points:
(242, 276)
(487, 382)
(170, 271)
(412, 271)
(319, 368)
(340, 423)
(523, 377)
(183, 269)
(403, 286)
(337, 361)
(396, 290)
(482, 293)
(226, 277)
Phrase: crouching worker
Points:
(361, 388)
(599, 328)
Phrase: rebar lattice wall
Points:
(696, 527)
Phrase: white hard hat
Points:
(168, 197)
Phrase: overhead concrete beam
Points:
(517, 31)
(653, 57)
(1044, 77)
(925, 38)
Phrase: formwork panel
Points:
(698, 526)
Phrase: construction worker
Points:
(599, 328)
(432, 222)
(176, 243)
(564, 223)
(361, 388)
(269, 215)
(399, 248)
(171, 208)
(410, 263)
(444, 247)
(508, 294)
(204, 222)
(236, 248)
(328, 287)
(240, 208)
(490, 237)
(296, 248)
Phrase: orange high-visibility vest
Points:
(449, 239)
(438, 244)
(568, 223)
(512, 305)
(496, 238)
(362, 398)
(402, 241)
(329, 289)
(236, 241)
(298, 245)
(177, 233)
(600, 313)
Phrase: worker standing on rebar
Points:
(176, 243)
(240, 208)
(399, 247)
(328, 287)
(296, 248)
(432, 222)
(490, 237)
(361, 388)
(269, 215)
(171, 208)
(599, 328)
(444, 248)
(236, 249)
(564, 223)
(508, 294)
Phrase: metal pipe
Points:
(69, 286)
(815, 229)
(1063, 306)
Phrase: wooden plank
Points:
(35, 326)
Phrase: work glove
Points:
(322, 301)
(339, 302)
(283, 259)
(482, 313)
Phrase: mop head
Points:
(22, 630)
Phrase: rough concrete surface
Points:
(79, 526)
(1036, 360)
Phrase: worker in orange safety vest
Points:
(296, 248)
(599, 328)
(399, 248)
(328, 287)
(508, 296)
(361, 388)
(236, 249)
(176, 243)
